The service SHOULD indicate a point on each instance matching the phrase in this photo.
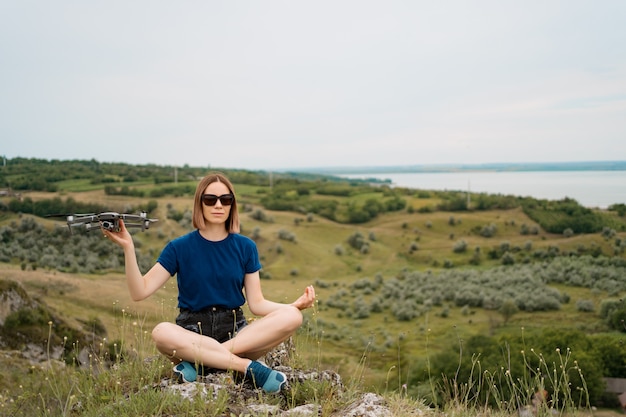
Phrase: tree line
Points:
(297, 192)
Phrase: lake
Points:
(589, 188)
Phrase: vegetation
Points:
(425, 296)
(31, 245)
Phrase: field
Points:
(316, 251)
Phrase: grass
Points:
(373, 353)
(311, 259)
(131, 386)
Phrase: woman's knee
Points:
(294, 318)
(163, 332)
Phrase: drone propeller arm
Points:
(140, 286)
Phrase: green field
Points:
(320, 254)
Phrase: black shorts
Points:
(217, 322)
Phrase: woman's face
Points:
(218, 213)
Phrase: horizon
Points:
(615, 164)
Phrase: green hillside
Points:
(401, 275)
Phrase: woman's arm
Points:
(259, 306)
(140, 286)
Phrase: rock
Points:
(37, 332)
(13, 297)
(244, 397)
(368, 405)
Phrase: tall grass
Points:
(126, 378)
(543, 389)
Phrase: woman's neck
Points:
(214, 233)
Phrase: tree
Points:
(508, 309)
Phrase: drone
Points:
(108, 221)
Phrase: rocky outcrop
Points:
(24, 328)
(13, 298)
(32, 329)
(244, 399)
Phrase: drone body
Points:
(109, 221)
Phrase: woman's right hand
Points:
(121, 238)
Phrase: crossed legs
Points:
(250, 343)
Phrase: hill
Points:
(401, 275)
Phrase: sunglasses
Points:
(211, 199)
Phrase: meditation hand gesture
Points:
(306, 300)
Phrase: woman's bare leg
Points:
(179, 344)
(260, 336)
(251, 342)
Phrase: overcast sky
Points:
(293, 84)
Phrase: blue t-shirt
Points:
(210, 273)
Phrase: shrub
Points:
(617, 319)
(488, 230)
(261, 216)
(607, 307)
(356, 240)
(460, 246)
(286, 235)
(585, 306)
(507, 259)
(476, 257)
(608, 233)
(508, 309)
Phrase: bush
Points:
(507, 259)
(261, 216)
(286, 235)
(488, 230)
(356, 240)
(585, 306)
(460, 246)
(617, 319)
(608, 306)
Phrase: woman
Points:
(213, 264)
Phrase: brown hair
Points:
(232, 223)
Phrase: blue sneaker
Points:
(186, 371)
(263, 377)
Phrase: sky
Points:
(272, 84)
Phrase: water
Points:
(589, 188)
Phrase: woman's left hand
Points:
(306, 300)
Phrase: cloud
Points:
(291, 84)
